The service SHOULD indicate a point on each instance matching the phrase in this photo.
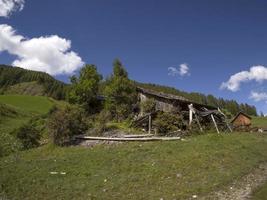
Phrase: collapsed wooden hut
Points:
(194, 112)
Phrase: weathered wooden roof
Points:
(161, 94)
(240, 113)
(171, 97)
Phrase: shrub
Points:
(101, 121)
(84, 89)
(120, 93)
(8, 144)
(66, 122)
(167, 122)
(28, 135)
(148, 106)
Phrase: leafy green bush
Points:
(8, 144)
(167, 122)
(101, 121)
(148, 106)
(66, 122)
(28, 135)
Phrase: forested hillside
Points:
(12, 76)
(230, 105)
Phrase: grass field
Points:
(259, 122)
(168, 170)
(26, 107)
(28, 104)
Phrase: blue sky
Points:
(214, 38)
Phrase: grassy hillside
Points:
(26, 88)
(28, 104)
(259, 122)
(21, 109)
(7, 111)
(168, 170)
(16, 110)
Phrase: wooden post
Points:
(201, 129)
(228, 126)
(149, 124)
(212, 117)
(190, 117)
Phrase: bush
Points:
(148, 106)
(101, 121)
(120, 93)
(167, 122)
(28, 135)
(8, 144)
(66, 122)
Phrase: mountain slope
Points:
(40, 82)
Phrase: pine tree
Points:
(84, 89)
(120, 92)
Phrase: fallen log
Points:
(128, 139)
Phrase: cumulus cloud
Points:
(182, 70)
(258, 96)
(256, 73)
(49, 54)
(7, 7)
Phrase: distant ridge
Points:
(15, 80)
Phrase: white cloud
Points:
(256, 73)
(49, 54)
(258, 96)
(182, 70)
(9, 6)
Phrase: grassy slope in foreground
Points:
(168, 170)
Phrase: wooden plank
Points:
(190, 117)
(227, 124)
(212, 117)
(138, 136)
(149, 124)
(128, 139)
(200, 127)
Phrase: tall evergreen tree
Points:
(84, 88)
(120, 92)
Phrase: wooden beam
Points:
(200, 127)
(128, 139)
(137, 136)
(212, 117)
(190, 117)
(227, 124)
(149, 124)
